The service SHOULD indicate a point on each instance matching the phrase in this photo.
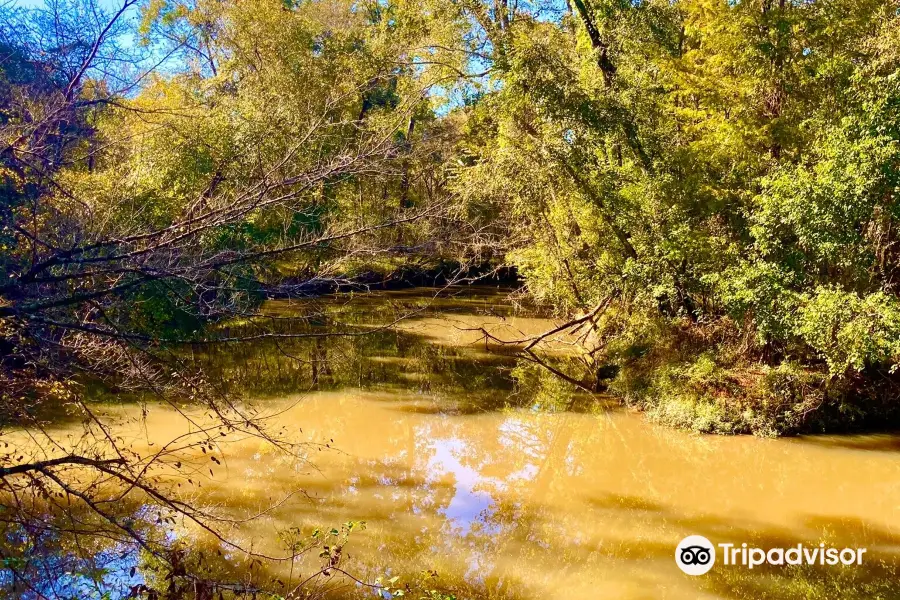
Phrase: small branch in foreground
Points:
(53, 462)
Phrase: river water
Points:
(465, 460)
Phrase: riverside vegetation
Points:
(702, 193)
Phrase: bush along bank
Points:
(711, 378)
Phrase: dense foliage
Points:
(727, 173)
(713, 183)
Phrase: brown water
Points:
(463, 460)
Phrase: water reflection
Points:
(463, 460)
(472, 502)
(67, 575)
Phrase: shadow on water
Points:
(426, 342)
(424, 355)
(867, 442)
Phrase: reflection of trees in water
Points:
(70, 552)
(57, 556)
(380, 360)
(443, 493)
(533, 520)
(367, 355)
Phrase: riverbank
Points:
(709, 379)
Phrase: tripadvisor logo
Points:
(696, 555)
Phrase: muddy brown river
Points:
(463, 460)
